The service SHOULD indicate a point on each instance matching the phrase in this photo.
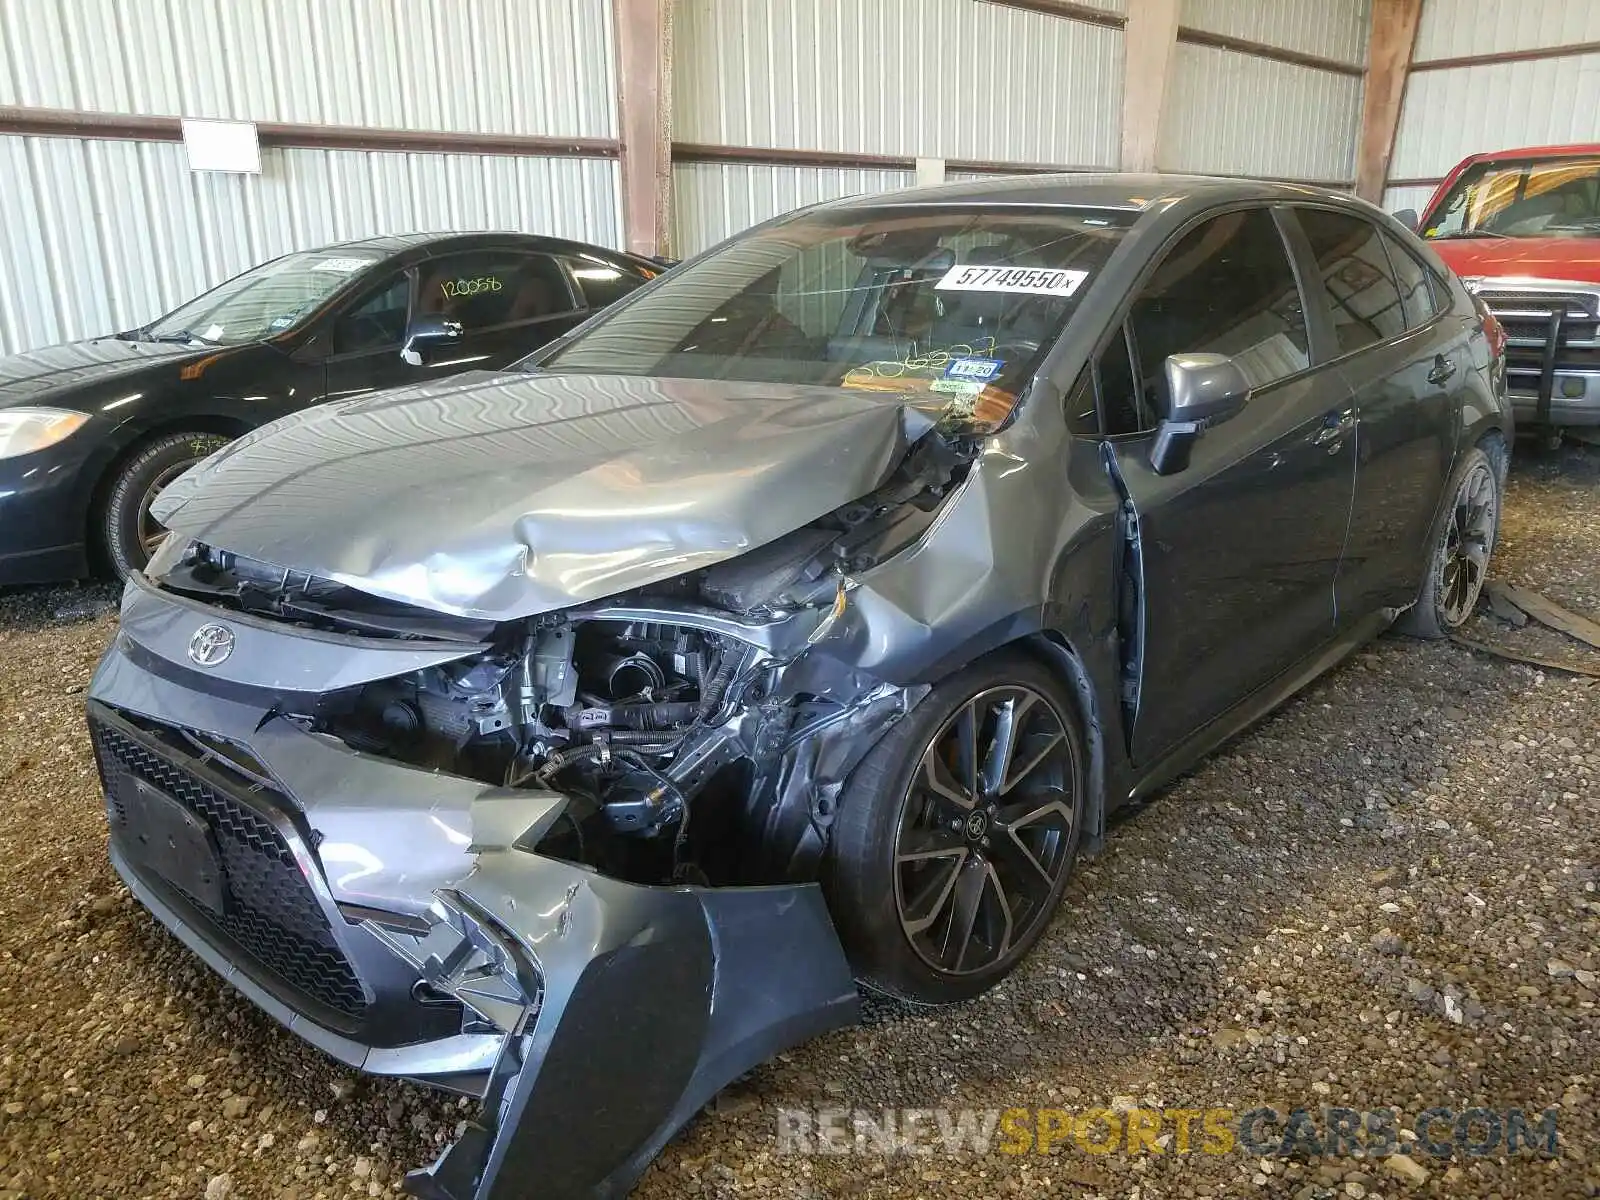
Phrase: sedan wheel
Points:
(1458, 563)
(1469, 538)
(955, 836)
(984, 831)
(130, 533)
(151, 531)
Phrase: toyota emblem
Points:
(210, 645)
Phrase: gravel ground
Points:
(1382, 897)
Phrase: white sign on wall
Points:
(222, 146)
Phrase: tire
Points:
(125, 521)
(1461, 546)
(899, 873)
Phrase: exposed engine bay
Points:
(693, 745)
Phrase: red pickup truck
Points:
(1522, 229)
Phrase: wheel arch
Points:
(1053, 650)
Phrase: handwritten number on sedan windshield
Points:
(471, 287)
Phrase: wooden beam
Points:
(1393, 38)
(644, 91)
(1148, 49)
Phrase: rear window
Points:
(1356, 278)
(602, 283)
(953, 307)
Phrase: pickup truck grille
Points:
(1553, 344)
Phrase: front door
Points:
(363, 342)
(1238, 551)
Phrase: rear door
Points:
(1238, 552)
(1406, 360)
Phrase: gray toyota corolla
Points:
(575, 737)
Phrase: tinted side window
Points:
(1124, 406)
(1083, 417)
(376, 323)
(490, 288)
(1415, 294)
(1226, 288)
(1356, 278)
(602, 283)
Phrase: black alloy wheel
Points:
(1462, 546)
(954, 838)
(1469, 539)
(985, 831)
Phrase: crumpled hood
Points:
(42, 376)
(503, 496)
(1569, 259)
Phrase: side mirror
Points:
(1205, 389)
(1409, 218)
(425, 330)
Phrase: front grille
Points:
(1553, 343)
(270, 912)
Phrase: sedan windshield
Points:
(953, 306)
(265, 300)
(1550, 198)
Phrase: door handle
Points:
(1444, 370)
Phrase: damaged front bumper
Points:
(400, 920)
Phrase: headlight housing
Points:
(25, 430)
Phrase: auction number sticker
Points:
(341, 266)
(1032, 281)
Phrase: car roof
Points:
(1575, 150)
(1136, 193)
(419, 245)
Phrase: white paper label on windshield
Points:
(342, 265)
(1032, 281)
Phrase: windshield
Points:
(953, 307)
(1551, 198)
(265, 300)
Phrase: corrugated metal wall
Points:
(940, 78)
(480, 66)
(1450, 114)
(1236, 114)
(103, 235)
(1400, 199)
(712, 201)
(1335, 29)
(935, 78)
(1457, 28)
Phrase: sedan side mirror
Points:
(1409, 218)
(425, 330)
(1205, 390)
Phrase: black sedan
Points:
(571, 736)
(91, 432)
